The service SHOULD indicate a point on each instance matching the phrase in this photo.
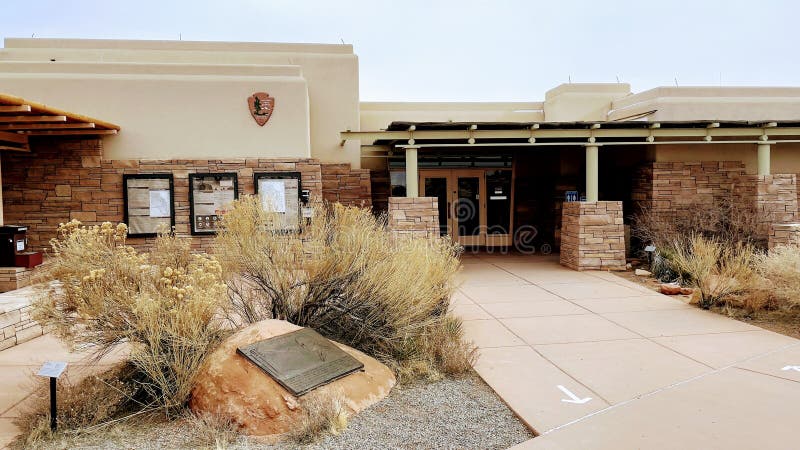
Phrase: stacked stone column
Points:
(417, 217)
(593, 236)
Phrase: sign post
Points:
(53, 370)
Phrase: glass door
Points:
(435, 183)
(498, 208)
(469, 207)
(474, 204)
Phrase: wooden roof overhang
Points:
(465, 135)
(21, 118)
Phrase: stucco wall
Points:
(785, 157)
(327, 73)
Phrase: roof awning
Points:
(21, 118)
(429, 135)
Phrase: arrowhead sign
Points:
(572, 397)
(261, 107)
(795, 368)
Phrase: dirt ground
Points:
(786, 323)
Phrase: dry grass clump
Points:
(216, 431)
(321, 414)
(82, 405)
(100, 293)
(717, 269)
(348, 277)
(780, 269)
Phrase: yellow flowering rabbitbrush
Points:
(97, 291)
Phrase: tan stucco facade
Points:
(188, 99)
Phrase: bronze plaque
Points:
(301, 360)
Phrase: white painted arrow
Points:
(795, 368)
(572, 397)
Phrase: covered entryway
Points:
(475, 204)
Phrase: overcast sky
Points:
(465, 50)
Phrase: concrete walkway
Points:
(591, 360)
(19, 364)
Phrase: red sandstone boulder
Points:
(670, 289)
(232, 386)
(675, 289)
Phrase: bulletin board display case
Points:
(149, 203)
(279, 192)
(210, 196)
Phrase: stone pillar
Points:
(592, 169)
(784, 234)
(412, 173)
(416, 217)
(763, 159)
(593, 236)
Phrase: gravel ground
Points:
(448, 414)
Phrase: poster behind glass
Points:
(280, 193)
(211, 196)
(148, 204)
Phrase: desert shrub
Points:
(321, 413)
(99, 292)
(87, 403)
(717, 269)
(725, 220)
(346, 276)
(780, 269)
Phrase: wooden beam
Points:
(13, 137)
(14, 149)
(46, 126)
(15, 108)
(23, 119)
(44, 109)
(67, 132)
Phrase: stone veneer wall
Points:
(771, 198)
(593, 236)
(341, 183)
(414, 216)
(62, 180)
(17, 326)
(13, 278)
(674, 188)
(784, 234)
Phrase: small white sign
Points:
(52, 369)
(20, 245)
(308, 213)
(498, 197)
(159, 203)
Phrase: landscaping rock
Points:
(642, 273)
(670, 289)
(687, 291)
(231, 386)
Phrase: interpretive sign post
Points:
(52, 370)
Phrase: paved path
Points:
(19, 363)
(640, 370)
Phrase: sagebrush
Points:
(98, 292)
(719, 270)
(349, 278)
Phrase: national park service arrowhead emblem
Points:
(261, 107)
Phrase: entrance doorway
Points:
(475, 205)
